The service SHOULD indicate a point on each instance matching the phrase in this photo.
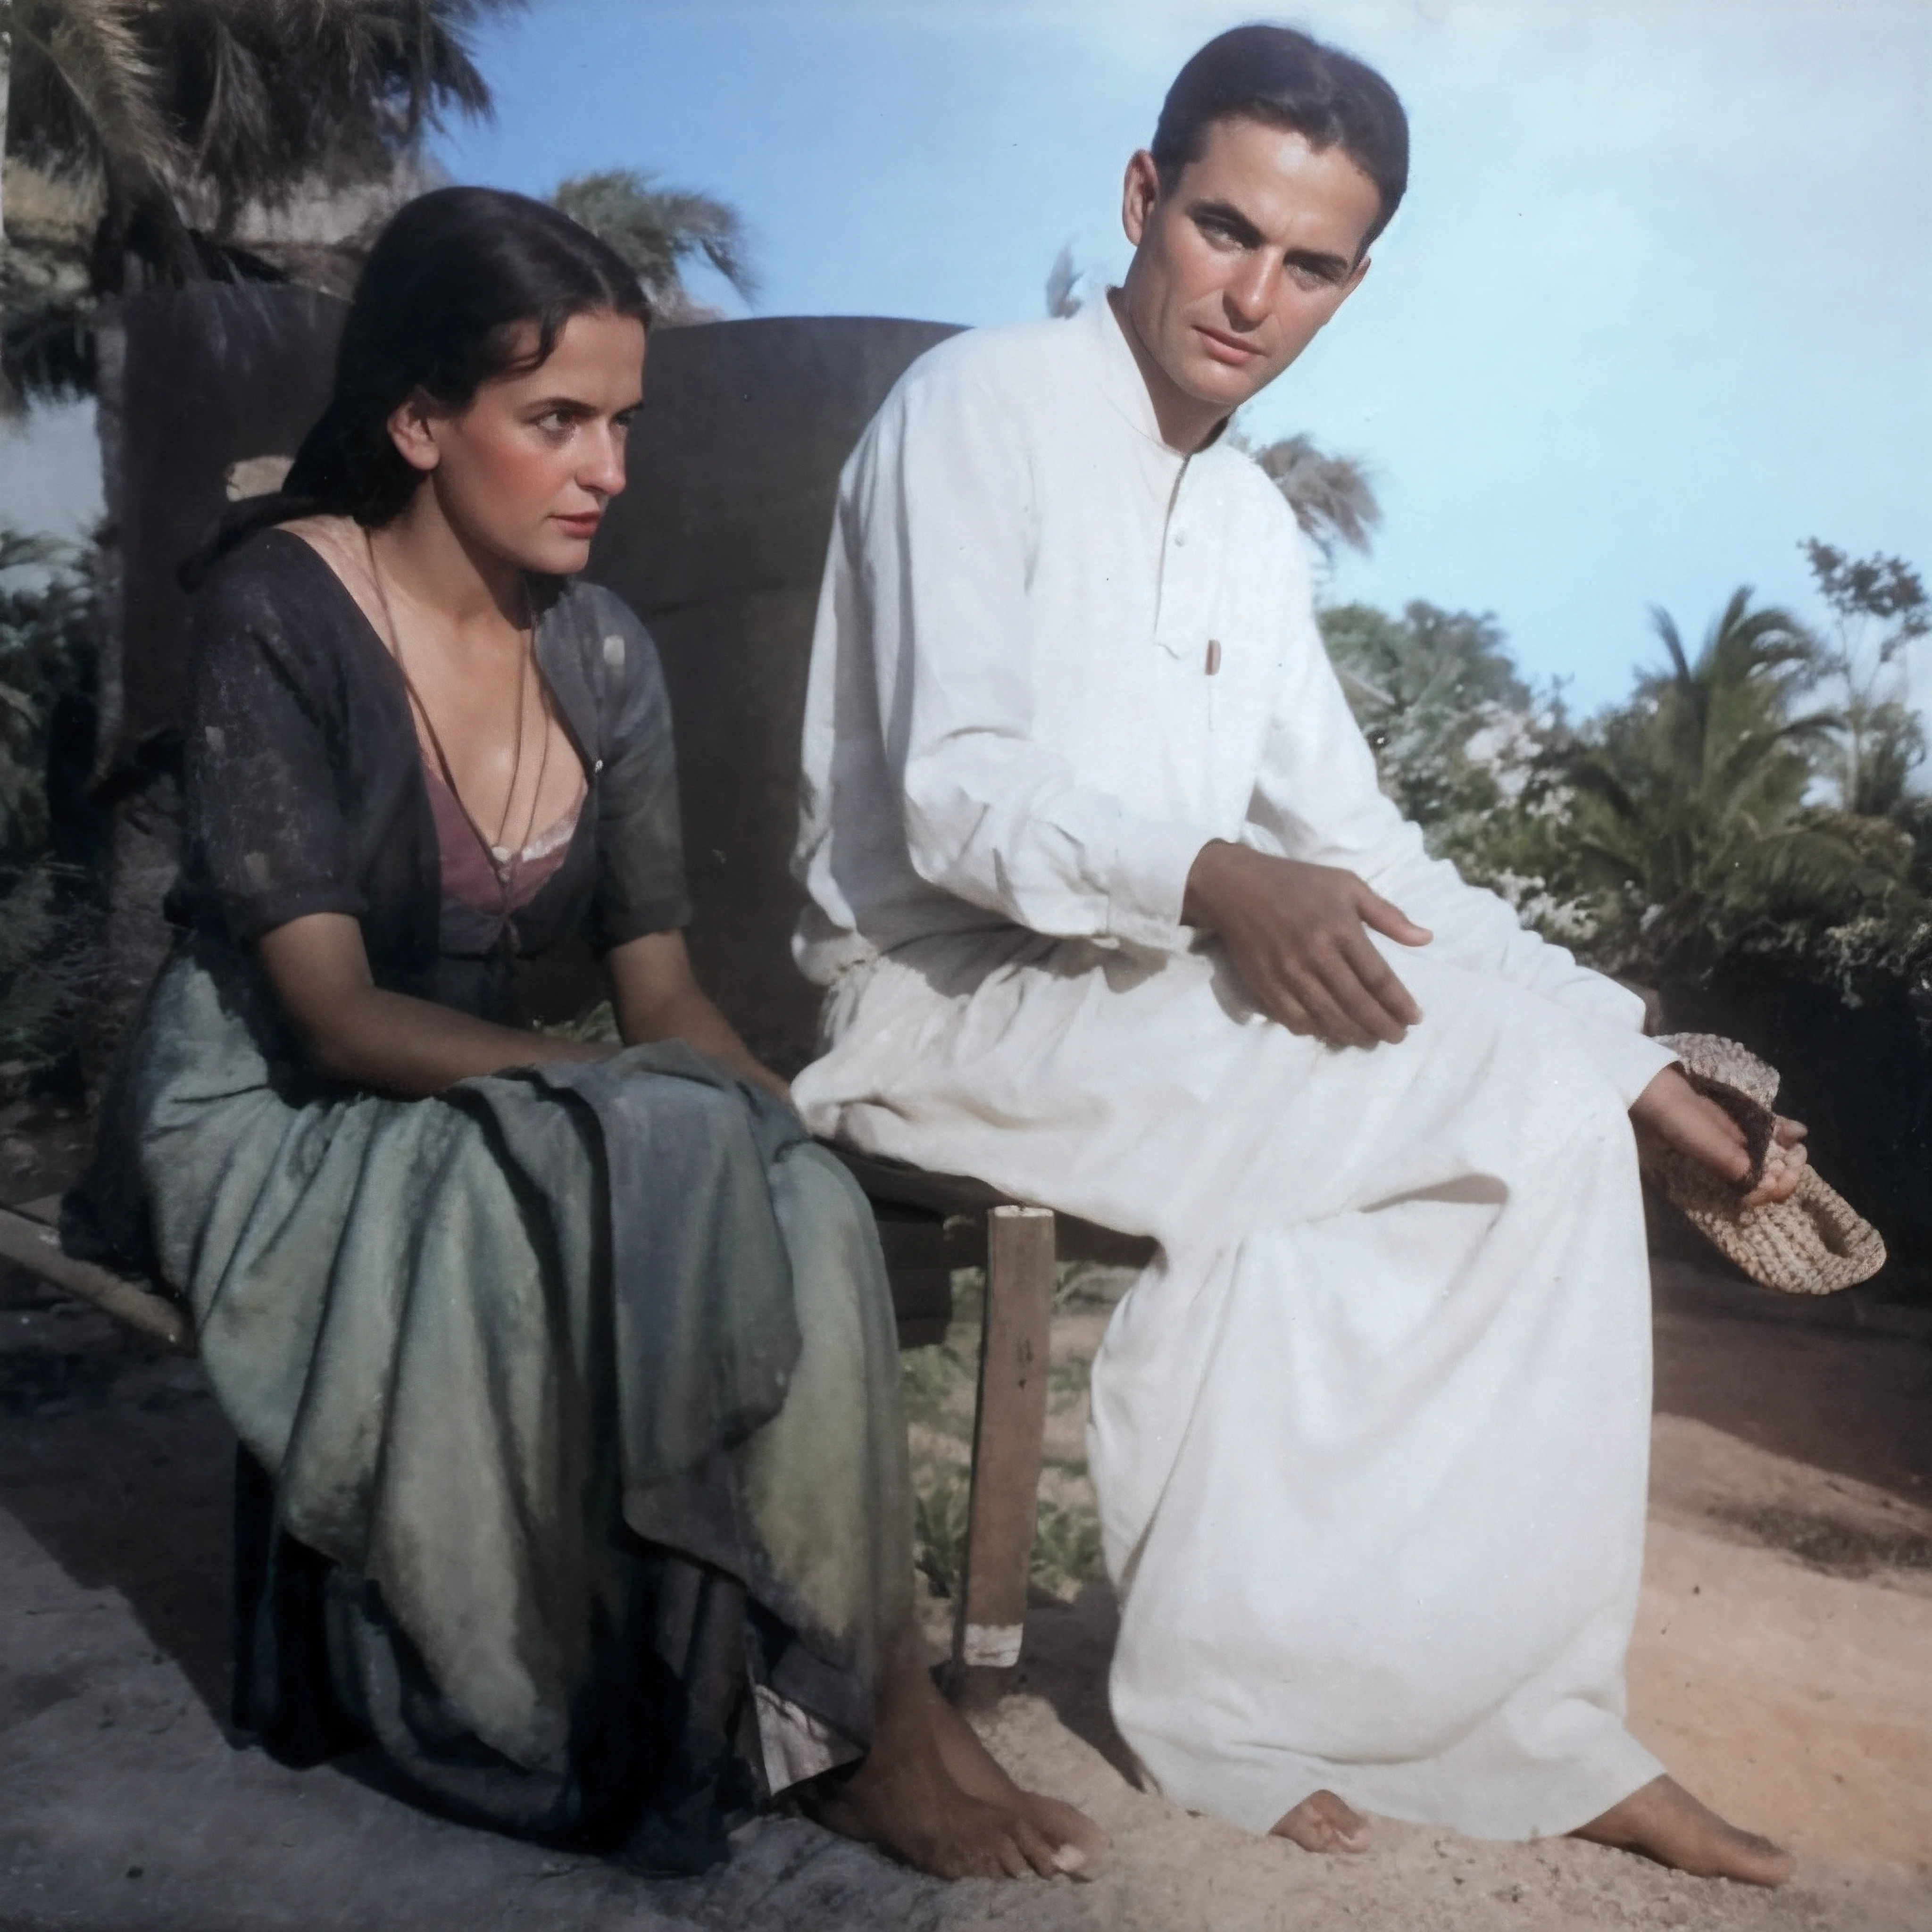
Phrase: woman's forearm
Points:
(397, 1045)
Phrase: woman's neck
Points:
(422, 555)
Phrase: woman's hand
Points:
(656, 996)
(1671, 1112)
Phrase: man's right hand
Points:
(1295, 933)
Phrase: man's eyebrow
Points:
(1330, 267)
(1225, 215)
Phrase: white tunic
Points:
(1369, 1436)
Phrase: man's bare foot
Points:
(1663, 1822)
(1321, 1823)
(905, 1798)
(1081, 1843)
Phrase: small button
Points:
(1213, 656)
(596, 766)
(1179, 539)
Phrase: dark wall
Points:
(718, 543)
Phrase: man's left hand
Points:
(1671, 1110)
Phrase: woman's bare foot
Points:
(1321, 1823)
(1080, 1843)
(906, 1798)
(1663, 1822)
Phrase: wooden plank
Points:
(1008, 1435)
(35, 1246)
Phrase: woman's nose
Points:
(603, 471)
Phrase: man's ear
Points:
(412, 431)
(1138, 194)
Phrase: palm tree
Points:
(183, 111)
(1331, 496)
(657, 230)
(1690, 803)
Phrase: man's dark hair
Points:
(1282, 76)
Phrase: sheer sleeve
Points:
(640, 881)
(268, 834)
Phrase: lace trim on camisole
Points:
(469, 879)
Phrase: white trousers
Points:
(1370, 1435)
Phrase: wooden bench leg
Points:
(1008, 1435)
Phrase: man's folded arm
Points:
(943, 507)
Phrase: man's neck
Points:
(1187, 424)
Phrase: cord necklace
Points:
(502, 858)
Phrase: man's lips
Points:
(1229, 348)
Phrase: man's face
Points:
(1236, 269)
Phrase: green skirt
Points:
(550, 1372)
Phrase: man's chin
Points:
(1223, 388)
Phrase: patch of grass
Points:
(1066, 1380)
(939, 1530)
(1066, 1547)
(936, 1386)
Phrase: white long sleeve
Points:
(939, 515)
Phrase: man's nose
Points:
(1250, 293)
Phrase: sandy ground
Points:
(1783, 1666)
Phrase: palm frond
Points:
(1331, 496)
(657, 230)
(85, 87)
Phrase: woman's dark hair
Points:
(1283, 77)
(443, 305)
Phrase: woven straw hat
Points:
(1812, 1243)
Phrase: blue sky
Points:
(1659, 305)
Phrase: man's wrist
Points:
(1207, 879)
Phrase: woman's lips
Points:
(583, 525)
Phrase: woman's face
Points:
(525, 470)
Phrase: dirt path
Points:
(1783, 1666)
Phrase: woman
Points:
(572, 1367)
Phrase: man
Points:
(1114, 915)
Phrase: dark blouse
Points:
(305, 789)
